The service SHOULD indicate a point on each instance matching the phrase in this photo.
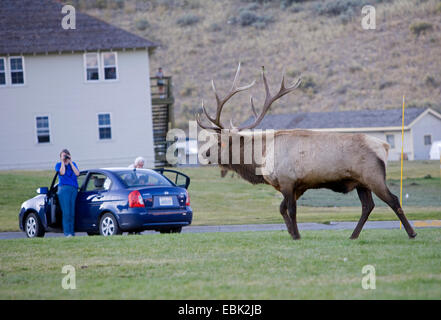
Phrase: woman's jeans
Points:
(67, 195)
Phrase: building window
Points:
(17, 71)
(43, 133)
(104, 126)
(92, 66)
(391, 140)
(101, 67)
(427, 140)
(2, 71)
(109, 64)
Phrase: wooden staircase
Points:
(162, 117)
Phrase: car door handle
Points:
(99, 196)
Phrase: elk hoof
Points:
(413, 235)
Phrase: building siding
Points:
(55, 86)
(427, 125)
(395, 153)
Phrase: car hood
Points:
(39, 198)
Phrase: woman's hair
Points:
(138, 160)
(65, 151)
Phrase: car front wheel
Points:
(33, 226)
(109, 225)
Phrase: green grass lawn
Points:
(242, 265)
(234, 201)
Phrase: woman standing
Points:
(67, 190)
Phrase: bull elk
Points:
(306, 159)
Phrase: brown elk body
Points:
(306, 159)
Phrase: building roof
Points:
(34, 26)
(341, 119)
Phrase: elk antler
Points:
(221, 102)
(268, 100)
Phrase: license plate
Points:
(165, 201)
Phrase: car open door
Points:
(51, 202)
(178, 178)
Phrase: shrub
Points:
(355, 68)
(386, 84)
(250, 18)
(214, 27)
(191, 4)
(296, 8)
(115, 4)
(337, 7)
(287, 3)
(188, 20)
(430, 81)
(420, 27)
(247, 18)
(308, 84)
(250, 7)
(142, 24)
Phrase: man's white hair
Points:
(138, 160)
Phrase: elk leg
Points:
(394, 203)
(284, 214)
(367, 205)
(292, 210)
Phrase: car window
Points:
(140, 178)
(98, 182)
(81, 179)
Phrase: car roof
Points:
(117, 169)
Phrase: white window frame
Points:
(104, 66)
(101, 66)
(104, 126)
(5, 64)
(424, 139)
(85, 67)
(22, 70)
(36, 129)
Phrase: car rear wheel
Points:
(109, 225)
(171, 230)
(33, 227)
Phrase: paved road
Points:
(267, 227)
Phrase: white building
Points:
(422, 126)
(85, 89)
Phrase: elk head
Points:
(215, 122)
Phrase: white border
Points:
(116, 66)
(23, 70)
(98, 127)
(100, 60)
(424, 139)
(5, 63)
(36, 129)
(85, 67)
(393, 135)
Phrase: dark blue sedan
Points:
(112, 201)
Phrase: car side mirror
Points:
(43, 190)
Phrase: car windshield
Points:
(142, 177)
